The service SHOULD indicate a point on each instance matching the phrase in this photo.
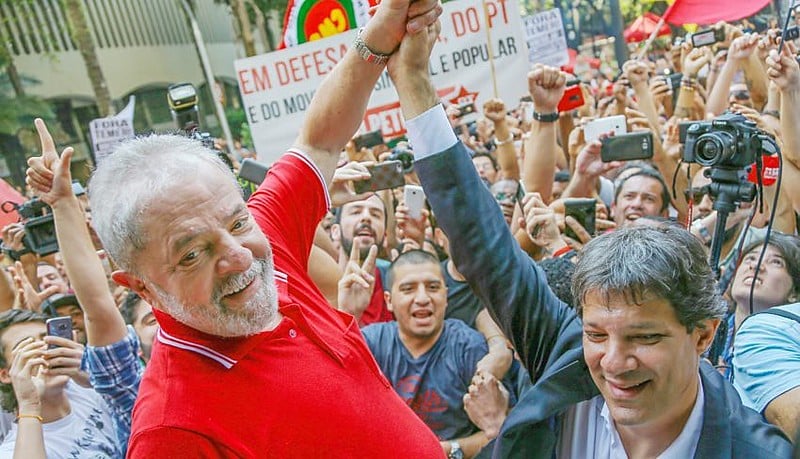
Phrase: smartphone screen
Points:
(704, 38)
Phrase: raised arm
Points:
(546, 86)
(50, 176)
(339, 103)
(503, 277)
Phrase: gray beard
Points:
(257, 315)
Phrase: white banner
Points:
(106, 133)
(547, 43)
(277, 87)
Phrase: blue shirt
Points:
(115, 372)
(766, 357)
(434, 383)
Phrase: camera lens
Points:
(713, 148)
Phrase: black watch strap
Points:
(545, 117)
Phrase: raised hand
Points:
(409, 227)
(358, 282)
(744, 46)
(540, 223)
(784, 69)
(394, 18)
(27, 295)
(495, 110)
(341, 187)
(589, 164)
(49, 175)
(546, 86)
(486, 403)
(695, 60)
(65, 359)
(27, 363)
(638, 72)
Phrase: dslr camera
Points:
(729, 141)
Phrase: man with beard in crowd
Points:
(364, 222)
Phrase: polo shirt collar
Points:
(225, 351)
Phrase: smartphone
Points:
(626, 147)
(582, 210)
(708, 37)
(368, 140)
(414, 198)
(253, 171)
(572, 99)
(383, 176)
(595, 128)
(59, 326)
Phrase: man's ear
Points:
(336, 232)
(5, 378)
(705, 334)
(132, 282)
(387, 297)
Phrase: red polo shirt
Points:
(309, 388)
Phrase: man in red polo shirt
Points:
(250, 361)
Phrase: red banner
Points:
(706, 12)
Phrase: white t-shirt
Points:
(86, 432)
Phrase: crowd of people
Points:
(312, 320)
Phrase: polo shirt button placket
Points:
(292, 333)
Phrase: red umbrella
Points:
(643, 27)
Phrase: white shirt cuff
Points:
(430, 132)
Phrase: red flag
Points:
(706, 12)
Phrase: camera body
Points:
(729, 141)
(40, 230)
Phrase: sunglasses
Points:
(740, 95)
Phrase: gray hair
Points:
(664, 262)
(128, 181)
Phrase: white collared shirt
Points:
(588, 431)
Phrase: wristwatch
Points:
(455, 451)
(367, 54)
(545, 117)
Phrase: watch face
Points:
(455, 451)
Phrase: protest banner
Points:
(106, 133)
(547, 43)
(277, 88)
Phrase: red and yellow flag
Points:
(309, 20)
